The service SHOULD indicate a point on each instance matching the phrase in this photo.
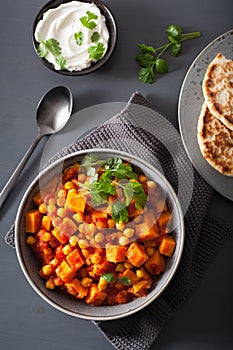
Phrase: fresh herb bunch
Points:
(53, 46)
(115, 174)
(150, 58)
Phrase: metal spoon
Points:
(53, 112)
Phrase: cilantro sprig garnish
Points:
(53, 46)
(114, 174)
(150, 58)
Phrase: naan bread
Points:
(215, 141)
(218, 89)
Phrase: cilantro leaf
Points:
(124, 171)
(174, 31)
(119, 212)
(100, 190)
(135, 190)
(109, 277)
(79, 38)
(113, 163)
(146, 74)
(124, 280)
(53, 46)
(42, 50)
(61, 61)
(87, 21)
(146, 49)
(96, 52)
(145, 59)
(175, 49)
(95, 37)
(161, 66)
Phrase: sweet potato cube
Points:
(65, 272)
(75, 288)
(37, 199)
(99, 215)
(146, 231)
(156, 264)
(60, 236)
(75, 259)
(140, 288)
(46, 223)
(94, 296)
(68, 227)
(33, 221)
(167, 246)
(164, 218)
(75, 201)
(123, 297)
(136, 254)
(131, 275)
(116, 254)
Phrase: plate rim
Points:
(181, 95)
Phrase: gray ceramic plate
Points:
(190, 103)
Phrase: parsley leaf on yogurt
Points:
(87, 21)
(96, 52)
(79, 38)
(53, 46)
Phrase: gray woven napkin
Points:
(141, 130)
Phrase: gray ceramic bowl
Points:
(111, 25)
(67, 303)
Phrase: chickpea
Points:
(82, 177)
(99, 237)
(61, 201)
(150, 251)
(67, 249)
(43, 208)
(30, 240)
(123, 240)
(69, 185)
(47, 270)
(61, 212)
(120, 226)
(128, 232)
(46, 237)
(61, 194)
(86, 282)
(79, 217)
(151, 185)
(83, 243)
(50, 284)
(96, 259)
(73, 241)
(142, 179)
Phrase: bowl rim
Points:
(144, 301)
(110, 23)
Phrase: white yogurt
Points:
(62, 23)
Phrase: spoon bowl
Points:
(53, 112)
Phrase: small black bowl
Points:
(111, 26)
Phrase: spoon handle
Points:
(10, 183)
